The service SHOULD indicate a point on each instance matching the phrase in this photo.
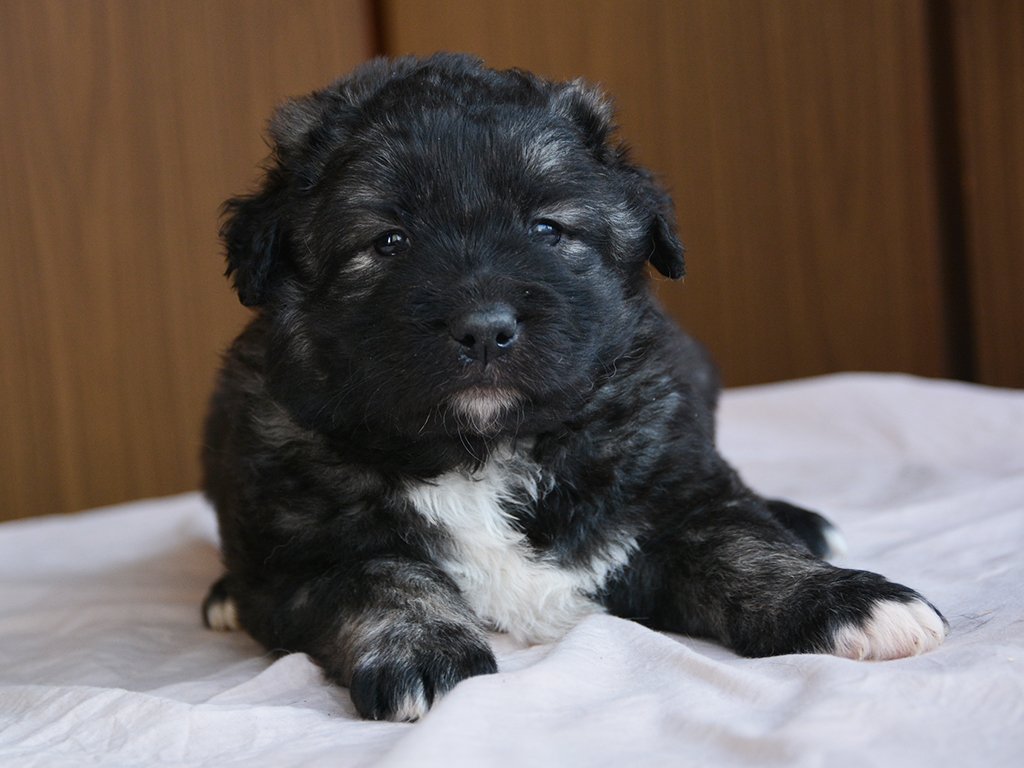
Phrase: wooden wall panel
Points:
(797, 139)
(988, 45)
(797, 136)
(125, 125)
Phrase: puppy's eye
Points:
(546, 232)
(392, 243)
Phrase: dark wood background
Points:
(849, 179)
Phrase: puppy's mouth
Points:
(484, 410)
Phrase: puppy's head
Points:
(441, 246)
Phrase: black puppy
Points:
(458, 408)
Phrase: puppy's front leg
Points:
(413, 638)
(397, 632)
(736, 575)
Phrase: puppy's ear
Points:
(255, 239)
(256, 228)
(592, 115)
(667, 249)
(590, 112)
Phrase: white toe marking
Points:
(894, 630)
(412, 707)
(835, 541)
(222, 615)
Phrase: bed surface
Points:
(103, 660)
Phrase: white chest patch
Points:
(505, 581)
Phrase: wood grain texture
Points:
(797, 139)
(125, 125)
(988, 45)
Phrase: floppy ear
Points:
(255, 239)
(666, 248)
(587, 108)
(256, 228)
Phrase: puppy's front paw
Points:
(849, 613)
(893, 629)
(400, 681)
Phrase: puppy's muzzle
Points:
(485, 333)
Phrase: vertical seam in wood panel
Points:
(958, 307)
(380, 38)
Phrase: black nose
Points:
(485, 333)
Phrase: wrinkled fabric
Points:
(104, 661)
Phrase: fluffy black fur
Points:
(448, 267)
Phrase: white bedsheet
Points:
(103, 660)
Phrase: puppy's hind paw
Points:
(893, 629)
(814, 530)
(219, 609)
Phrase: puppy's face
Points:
(444, 247)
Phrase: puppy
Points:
(458, 409)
